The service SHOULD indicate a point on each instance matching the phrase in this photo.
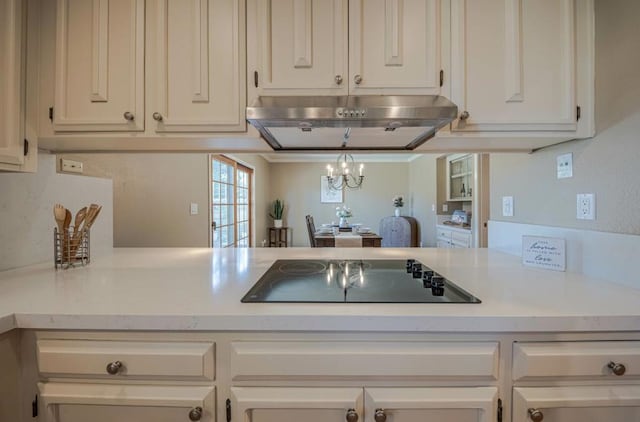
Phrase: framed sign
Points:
(328, 195)
(544, 252)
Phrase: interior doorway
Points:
(230, 193)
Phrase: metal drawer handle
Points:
(352, 415)
(157, 116)
(357, 79)
(195, 414)
(379, 415)
(535, 415)
(338, 79)
(464, 115)
(617, 368)
(114, 368)
(129, 116)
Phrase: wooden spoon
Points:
(90, 220)
(77, 230)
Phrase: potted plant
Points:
(398, 202)
(277, 209)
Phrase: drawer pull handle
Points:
(114, 368)
(357, 79)
(157, 116)
(617, 368)
(195, 414)
(535, 415)
(128, 116)
(352, 415)
(379, 415)
(338, 79)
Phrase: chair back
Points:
(311, 228)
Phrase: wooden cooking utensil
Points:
(77, 233)
(90, 219)
(59, 213)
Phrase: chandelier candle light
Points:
(346, 178)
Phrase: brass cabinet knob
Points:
(338, 79)
(129, 116)
(617, 368)
(352, 415)
(114, 368)
(357, 79)
(379, 415)
(157, 116)
(195, 414)
(535, 415)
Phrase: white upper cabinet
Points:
(394, 46)
(338, 47)
(514, 65)
(99, 83)
(198, 84)
(297, 47)
(12, 14)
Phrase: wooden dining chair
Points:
(311, 228)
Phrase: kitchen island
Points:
(147, 334)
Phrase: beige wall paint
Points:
(299, 185)
(606, 165)
(153, 193)
(26, 211)
(423, 195)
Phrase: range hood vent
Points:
(382, 122)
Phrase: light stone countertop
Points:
(200, 289)
(466, 230)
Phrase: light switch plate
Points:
(586, 206)
(194, 208)
(445, 207)
(564, 165)
(507, 206)
(69, 166)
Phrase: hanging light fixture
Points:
(347, 173)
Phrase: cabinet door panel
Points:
(510, 71)
(67, 402)
(473, 404)
(11, 81)
(274, 404)
(619, 403)
(200, 85)
(394, 46)
(99, 65)
(301, 46)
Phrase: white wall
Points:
(423, 196)
(26, 212)
(299, 185)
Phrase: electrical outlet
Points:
(586, 206)
(445, 207)
(433, 207)
(193, 209)
(564, 166)
(507, 206)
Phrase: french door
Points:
(230, 203)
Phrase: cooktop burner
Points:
(355, 281)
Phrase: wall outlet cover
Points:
(445, 207)
(193, 209)
(70, 166)
(564, 165)
(507, 206)
(586, 206)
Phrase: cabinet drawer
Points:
(461, 239)
(444, 234)
(575, 359)
(138, 359)
(265, 360)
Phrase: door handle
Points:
(213, 225)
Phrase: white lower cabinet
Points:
(455, 404)
(69, 402)
(602, 403)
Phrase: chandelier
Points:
(345, 173)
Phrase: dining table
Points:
(328, 240)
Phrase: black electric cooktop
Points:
(355, 281)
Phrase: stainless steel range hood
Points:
(381, 122)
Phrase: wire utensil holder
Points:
(71, 248)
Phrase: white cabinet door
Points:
(12, 14)
(620, 403)
(68, 402)
(275, 404)
(297, 47)
(464, 404)
(200, 66)
(394, 46)
(513, 65)
(99, 82)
